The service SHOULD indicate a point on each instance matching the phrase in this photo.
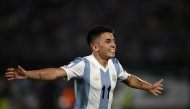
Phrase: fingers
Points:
(155, 94)
(157, 88)
(10, 75)
(19, 67)
(15, 74)
(157, 91)
(160, 81)
(160, 88)
(11, 69)
(9, 79)
(158, 84)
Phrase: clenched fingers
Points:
(10, 69)
(10, 76)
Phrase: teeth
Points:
(111, 50)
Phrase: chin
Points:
(112, 56)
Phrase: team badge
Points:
(113, 78)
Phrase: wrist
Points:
(26, 74)
(151, 86)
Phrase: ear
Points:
(94, 47)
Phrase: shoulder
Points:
(81, 59)
(78, 59)
(88, 58)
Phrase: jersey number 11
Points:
(104, 89)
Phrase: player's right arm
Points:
(42, 74)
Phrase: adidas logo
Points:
(96, 78)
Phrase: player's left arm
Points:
(135, 82)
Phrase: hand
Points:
(156, 88)
(13, 74)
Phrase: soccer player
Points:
(95, 75)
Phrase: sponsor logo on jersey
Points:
(96, 78)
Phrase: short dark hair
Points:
(97, 31)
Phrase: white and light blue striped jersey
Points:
(94, 84)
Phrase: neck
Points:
(101, 60)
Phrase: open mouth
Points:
(111, 51)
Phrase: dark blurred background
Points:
(152, 37)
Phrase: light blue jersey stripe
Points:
(73, 63)
(116, 64)
(106, 87)
(83, 88)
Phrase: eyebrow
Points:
(109, 39)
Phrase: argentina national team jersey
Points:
(94, 84)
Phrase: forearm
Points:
(137, 83)
(43, 74)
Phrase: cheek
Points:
(103, 50)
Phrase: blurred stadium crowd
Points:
(51, 33)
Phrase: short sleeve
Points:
(121, 73)
(74, 69)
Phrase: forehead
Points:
(106, 35)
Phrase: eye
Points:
(108, 41)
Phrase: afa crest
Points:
(113, 78)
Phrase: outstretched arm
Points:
(42, 74)
(136, 82)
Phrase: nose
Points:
(113, 44)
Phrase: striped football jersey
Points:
(94, 84)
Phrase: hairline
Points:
(96, 32)
(98, 36)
